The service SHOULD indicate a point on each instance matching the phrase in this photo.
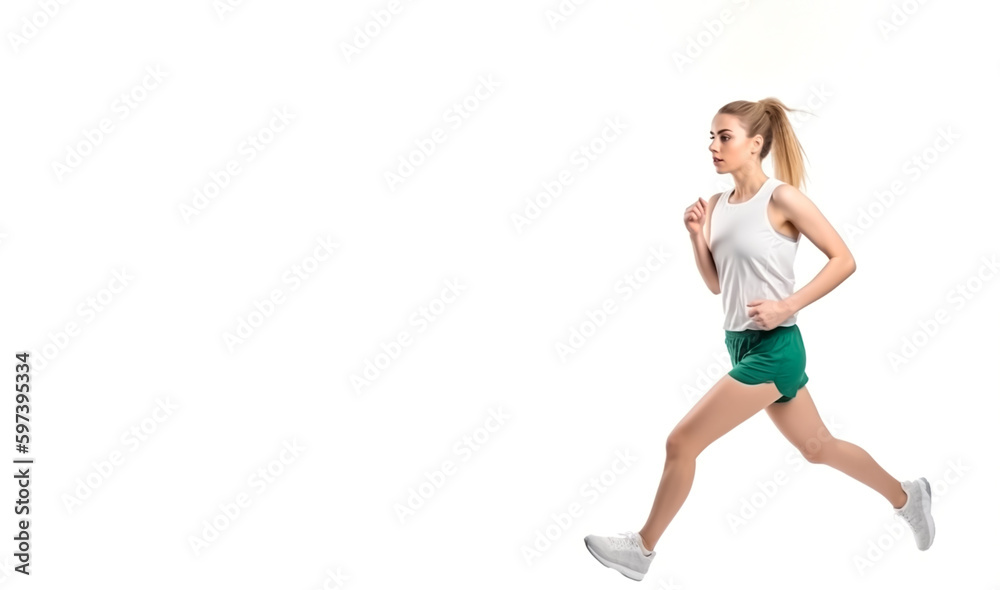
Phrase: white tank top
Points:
(753, 260)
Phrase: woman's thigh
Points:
(799, 421)
(726, 405)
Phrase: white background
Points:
(880, 94)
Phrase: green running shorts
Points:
(769, 356)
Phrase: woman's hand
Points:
(694, 217)
(767, 314)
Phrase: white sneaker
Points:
(623, 553)
(917, 511)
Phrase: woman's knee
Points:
(681, 444)
(817, 451)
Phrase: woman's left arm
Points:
(805, 216)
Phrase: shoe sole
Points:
(625, 571)
(925, 504)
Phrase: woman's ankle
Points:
(644, 544)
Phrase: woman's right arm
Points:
(706, 264)
(694, 221)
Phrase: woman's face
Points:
(731, 148)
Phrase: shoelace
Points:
(913, 518)
(626, 541)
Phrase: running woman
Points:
(745, 240)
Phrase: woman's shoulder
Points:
(783, 190)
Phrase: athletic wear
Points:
(769, 356)
(917, 511)
(623, 553)
(753, 260)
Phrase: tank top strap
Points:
(763, 196)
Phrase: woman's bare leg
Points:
(799, 421)
(727, 404)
